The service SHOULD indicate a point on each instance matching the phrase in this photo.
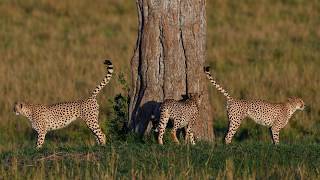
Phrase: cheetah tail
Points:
(105, 81)
(213, 81)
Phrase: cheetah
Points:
(184, 113)
(273, 115)
(45, 118)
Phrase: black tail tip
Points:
(206, 69)
(107, 62)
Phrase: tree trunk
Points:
(168, 61)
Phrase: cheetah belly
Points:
(60, 122)
(259, 119)
(182, 123)
(180, 120)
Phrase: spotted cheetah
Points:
(183, 113)
(273, 115)
(45, 118)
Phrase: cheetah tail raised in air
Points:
(105, 81)
(213, 81)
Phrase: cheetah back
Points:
(181, 112)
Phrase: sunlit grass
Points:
(144, 160)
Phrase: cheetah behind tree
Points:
(183, 113)
(45, 118)
(273, 115)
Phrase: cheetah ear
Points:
(291, 98)
(198, 95)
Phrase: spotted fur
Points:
(183, 113)
(273, 115)
(45, 118)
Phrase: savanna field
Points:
(52, 51)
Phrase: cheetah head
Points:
(297, 103)
(195, 96)
(20, 108)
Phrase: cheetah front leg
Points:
(275, 135)
(40, 127)
(186, 137)
(41, 137)
(174, 135)
(164, 118)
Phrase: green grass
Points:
(148, 161)
(52, 51)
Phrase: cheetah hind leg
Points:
(174, 135)
(93, 125)
(234, 124)
(189, 135)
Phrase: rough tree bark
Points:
(168, 61)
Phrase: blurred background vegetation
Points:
(52, 51)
